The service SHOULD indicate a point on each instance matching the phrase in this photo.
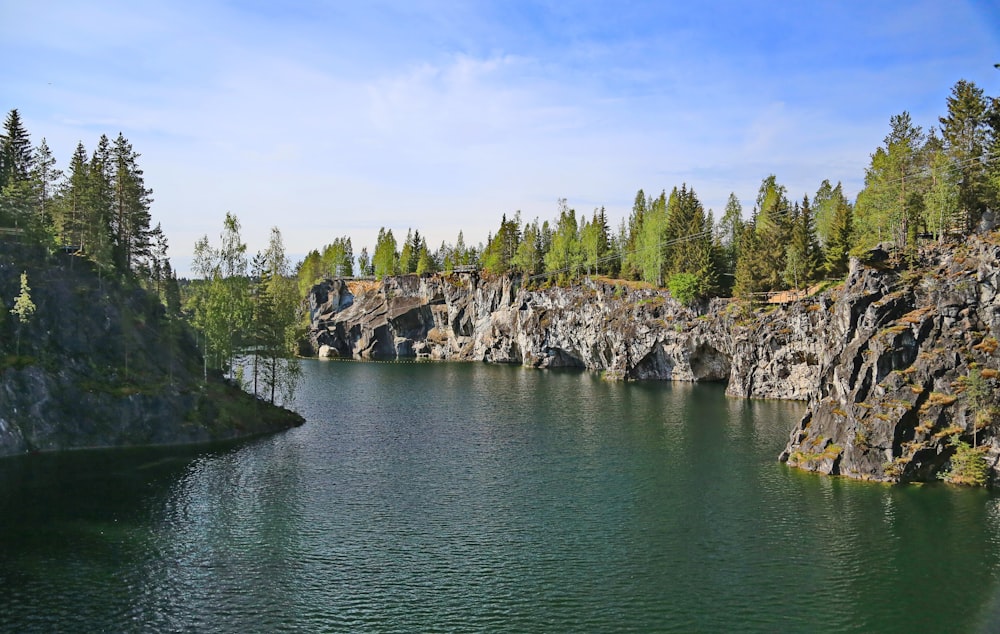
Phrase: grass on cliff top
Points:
(629, 284)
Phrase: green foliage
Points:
(802, 254)
(968, 464)
(730, 230)
(273, 332)
(501, 250)
(685, 287)
(565, 258)
(649, 246)
(385, 260)
(839, 236)
(966, 135)
(594, 242)
(337, 260)
(529, 255)
(221, 305)
(891, 204)
(24, 308)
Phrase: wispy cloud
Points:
(332, 119)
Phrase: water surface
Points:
(468, 497)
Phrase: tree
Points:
(72, 210)
(222, 307)
(498, 256)
(309, 272)
(685, 287)
(529, 258)
(407, 256)
(649, 252)
(337, 259)
(752, 259)
(98, 201)
(16, 163)
(802, 252)
(130, 220)
(564, 259)
(24, 308)
(425, 261)
(966, 134)
(16, 156)
(273, 324)
(594, 242)
(385, 259)
(887, 206)
(771, 232)
(839, 239)
(730, 229)
(631, 266)
(364, 263)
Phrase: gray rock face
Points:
(100, 365)
(893, 386)
(882, 360)
(628, 334)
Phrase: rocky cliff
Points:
(100, 365)
(881, 358)
(627, 333)
(912, 370)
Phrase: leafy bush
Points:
(968, 465)
(685, 287)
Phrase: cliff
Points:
(101, 365)
(914, 367)
(882, 359)
(627, 333)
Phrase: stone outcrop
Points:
(882, 359)
(100, 365)
(629, 334)
(896, 390)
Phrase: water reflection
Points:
(472, 497)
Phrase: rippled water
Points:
(466, 497)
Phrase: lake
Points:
(432, 497)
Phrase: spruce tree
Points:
(839, 239)
(966, 134)
(16, 155)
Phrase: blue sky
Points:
(337, 118)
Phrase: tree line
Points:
(936, 184)
(246, 311)
(99, 208)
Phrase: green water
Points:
(466, 497)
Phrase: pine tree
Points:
(631, 259)
(97, 239)
(529, 257)
(364, 263)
